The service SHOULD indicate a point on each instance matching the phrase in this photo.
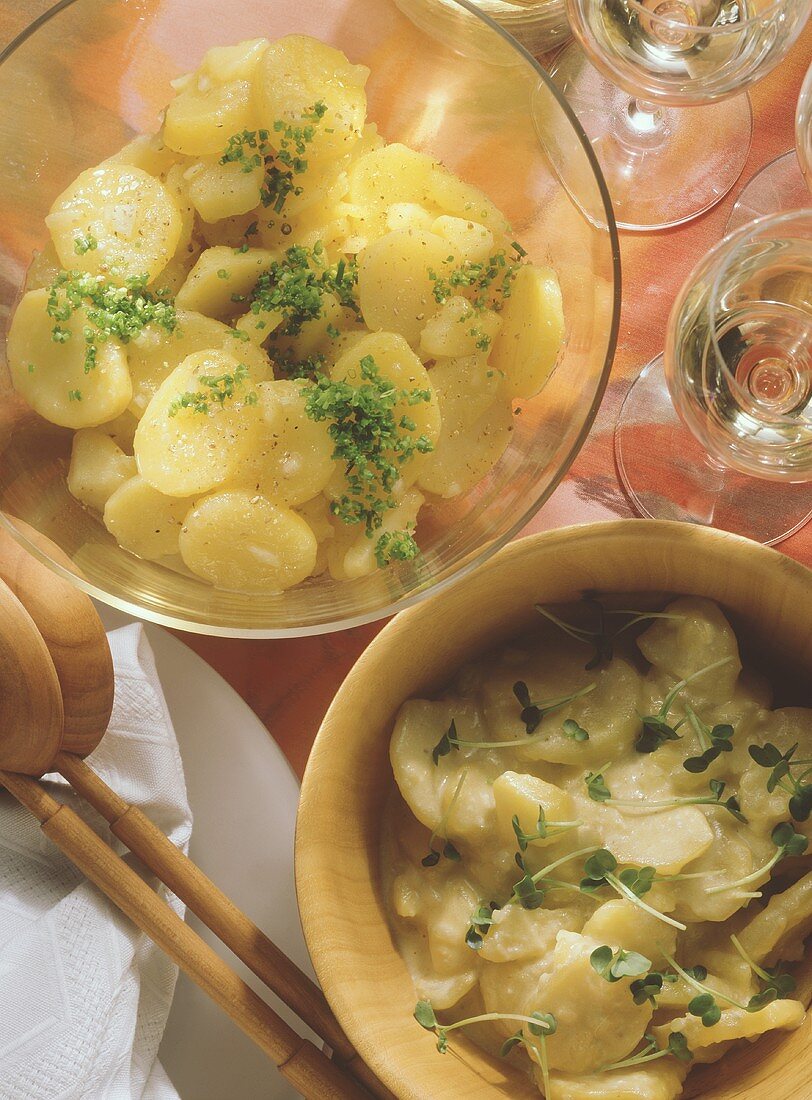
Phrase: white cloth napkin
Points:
(84, 996)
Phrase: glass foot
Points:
(663, 166)
(779, 186)
(667, 474)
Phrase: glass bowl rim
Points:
(666, 21)
(476, 557)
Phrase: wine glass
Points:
(734, 449)
(786, 182)
(663, 165)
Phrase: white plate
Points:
(243, 795)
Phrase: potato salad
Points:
(596, 861)
(274, 335)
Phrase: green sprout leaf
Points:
(614, 965)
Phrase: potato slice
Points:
(620, 923)
(185, 449)
(215, 102)
(387, 178)
(144, 521)
(779, 931)
(697, 636)
(240, 541)
(98, 466)
(295, 74)
(526, 350)
(522, 796)
(117, 221)
(668, 840)
(147, 152)
(410, 215)
(477, 421)
(709, 1043)
(51, 376)
(469, 239)
(662, 1080)
(396, 363)
(598, 1021)
(395, 284)
(293, 461)
(220, 191)
(220, 276)
(457, 330)
(154, 354)
(352, 553)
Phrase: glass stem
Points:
(644, 118)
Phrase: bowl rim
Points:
(178, 620)
(309, 867)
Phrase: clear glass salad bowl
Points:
(84, 79)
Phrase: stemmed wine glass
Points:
(786, 182)
(724, 435)
(663, 165)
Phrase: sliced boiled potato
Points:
(240, 541)
(520, 934)
(735, 1023)
(117, 221)
(177, 185)
(598, 1021)
(121, 430)
(220, 191)
(189, 440)
(661, 1080)
(477, 421)
(387, 178)
(397, 363)
(315, 336)
(621, 923)
(316, 513)
(293, 460)
(220, 276)
(668, 840)
(523, 796)
(215, 102)
(295, 74)
(780, 930)
(698, 635)
(469, 239)
(457, 329)
(351, 554)
(144, 521)
(51, 376)
(526, 350)
(454, 196)
(155, 353)
(98, 466)
(397, 276)
(410, 215)
(258, 324)
(147, 152)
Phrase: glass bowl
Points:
(91, 74)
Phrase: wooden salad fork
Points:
(56, 697)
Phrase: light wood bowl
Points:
(769, 598)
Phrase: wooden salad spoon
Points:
(56, 697)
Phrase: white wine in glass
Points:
(633, 69)
(723, 436)
(786, 182)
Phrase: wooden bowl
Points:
(769, 599)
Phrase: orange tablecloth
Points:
(290, 683)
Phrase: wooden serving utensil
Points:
(56, 697)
